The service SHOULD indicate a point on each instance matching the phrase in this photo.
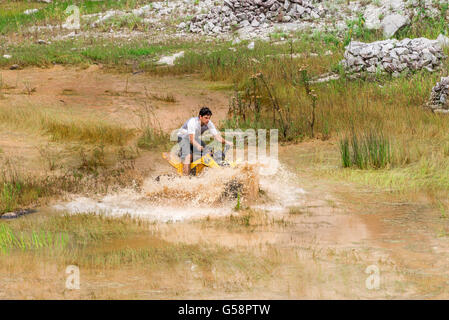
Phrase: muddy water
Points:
(334, 227)
(345, 228)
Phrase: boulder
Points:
(371, 15)
(392, 23)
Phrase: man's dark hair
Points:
(205, 111)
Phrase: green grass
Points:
(114, 54)
(427, 175)
(15, 195)
(357, 31)
(65, 231)
(13, 19)
(424, 26)
(370, 150)
(36, 240)
(17, 190)
(84, 229)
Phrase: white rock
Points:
(371, 16)
(7, 56)
(236, 41)
(9, 215)
(326, 78)
(366, 52)
(300, 9)
(30, 11)
(170, 60)
(244, 23)
(392, 23)
(395, 5)
(371, 69)
(443, 111)
(251, 45)
(314, 15)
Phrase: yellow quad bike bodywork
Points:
(197, 166)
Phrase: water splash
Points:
(280, 186)
(174, 198)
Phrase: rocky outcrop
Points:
(439, 96)
(255, 13)
(393, 56)
(391, 15)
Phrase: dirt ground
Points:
(115, 96)
(325, 247)
(92, 93)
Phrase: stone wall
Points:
(439, 96)
(242, 13)
(393, 56)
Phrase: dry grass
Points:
(169, 97)
(91, 173)
(65, 128)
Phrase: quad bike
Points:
(214, 159)
(211, 158)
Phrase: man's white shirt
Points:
(193, 126)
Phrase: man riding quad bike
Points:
(190, 144)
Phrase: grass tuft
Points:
(365, 151)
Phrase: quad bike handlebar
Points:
(218, 155)
(209, 149)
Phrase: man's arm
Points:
(217, 134)
(195, 144)
(220, 139)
